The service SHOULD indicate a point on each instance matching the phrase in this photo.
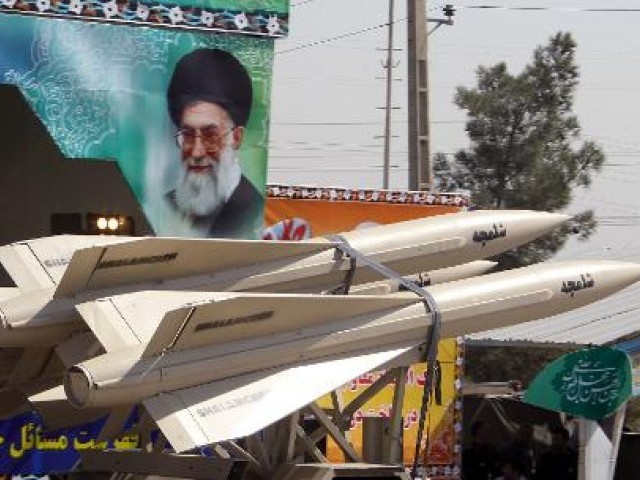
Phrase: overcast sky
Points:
(326, 94)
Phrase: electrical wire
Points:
(324, 41)
(302, 2)
(552, 9)
(357, 123)
(469, 7)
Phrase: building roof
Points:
(608, 321)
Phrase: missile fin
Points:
(24, 268)
(8, 292)
(158, 259)
(107, 323)
(243, 405)
(41, 262)
(244, 316)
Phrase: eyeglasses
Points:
(211, 137)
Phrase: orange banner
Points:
(313, 218)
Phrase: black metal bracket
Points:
(343, 248)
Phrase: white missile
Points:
(434, 277)
(214, 366)
(53, 274)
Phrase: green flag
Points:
(591, 383)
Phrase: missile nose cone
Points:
(541, 220)
(618, 275)
(586, 281)
(499, 230)
(558, 218)
(516, 296)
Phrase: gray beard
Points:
(204, 194)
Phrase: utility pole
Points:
(420, 169)
(420, 175)
(387, 117)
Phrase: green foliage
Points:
(525, 151)
(505, 363)
(632, 419)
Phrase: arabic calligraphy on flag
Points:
(590, 383)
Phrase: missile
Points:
(53, 405)
(55, 273)
(8, 292)
(216, 366)
(442, 275)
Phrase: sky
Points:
(329, 86)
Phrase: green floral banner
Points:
(591, 383)
(251, 17)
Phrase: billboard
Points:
(296, 213)
(142, 97)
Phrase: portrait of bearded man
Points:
(209, 99)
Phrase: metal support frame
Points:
(395, 446)
(169, 465)
(430, 305)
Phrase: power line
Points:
(355, 123)
(338, 37)
(322, 124)
(552, 9)
(330, 144)
(326, 147)
(370, 168)
(302, 2)
(333, 155)
(332, 151)
(476, 7)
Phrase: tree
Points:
(524, 149)
(504, 363)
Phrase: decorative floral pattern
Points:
(76, 6)
(386, 196)
(43, 5)
(208, 18)
(241, 21)
(175, 15)
(452, 470)
(261, 23)
(142, 11)
(273, 25)
(457, 418)
(110, 9)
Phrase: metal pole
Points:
(418, 96)
(387, 118)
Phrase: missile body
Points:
(228, 336)
(442, 275)
(45, 315)
(412, 246)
